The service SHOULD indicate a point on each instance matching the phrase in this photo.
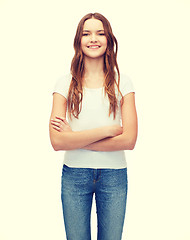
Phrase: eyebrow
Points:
(90, 31)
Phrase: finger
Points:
(56, 128)
(61, 118)
(56, 121)
(65, 121)
(57, 124)
(60, 124)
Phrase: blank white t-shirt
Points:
(94, 114)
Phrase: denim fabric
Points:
(110, 189)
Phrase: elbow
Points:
(56, 141)
(131, 141)
(130, 144)
(55, 146)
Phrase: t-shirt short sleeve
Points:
(62, 85)
(126, 85)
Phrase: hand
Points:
(115, 130)
(60, 124)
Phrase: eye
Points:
(101, 34)
(85, 34)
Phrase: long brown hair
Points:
(75, 94)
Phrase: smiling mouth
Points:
(93, 46)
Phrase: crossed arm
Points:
(107, 138)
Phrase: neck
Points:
(94, 68)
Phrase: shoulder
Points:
(62, 85)
(64, 80)
(126, 81)
(126, 85)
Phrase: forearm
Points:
(121, 142)
(74, 140)
(63, 138)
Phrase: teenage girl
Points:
(94, 120)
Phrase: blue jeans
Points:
(110, 188)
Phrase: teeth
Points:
(94, 47)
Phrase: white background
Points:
(36, 48)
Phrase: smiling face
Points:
(93, 41)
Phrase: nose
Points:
(93, 38)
